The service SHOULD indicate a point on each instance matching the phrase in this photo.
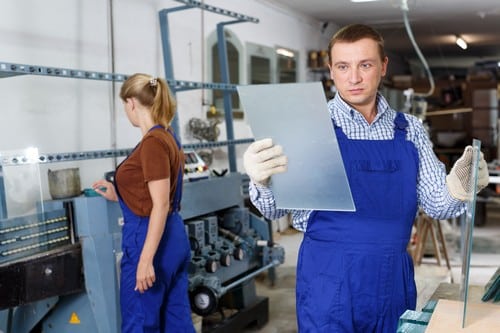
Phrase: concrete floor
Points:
(485, 260)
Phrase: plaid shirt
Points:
(432, 193)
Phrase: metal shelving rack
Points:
(8, 69)
(223, 61)
(201, 193)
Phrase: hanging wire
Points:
(405, 9)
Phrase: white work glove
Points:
(459, 180)
(262, 159)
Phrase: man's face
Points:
(356, 70)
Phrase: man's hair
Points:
(354, 32)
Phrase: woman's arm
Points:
(160, 195)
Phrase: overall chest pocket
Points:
(377, 188)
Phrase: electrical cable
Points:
(405, 9)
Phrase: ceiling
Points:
(434, 24)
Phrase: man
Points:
(353, 272)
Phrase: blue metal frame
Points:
(226, 86)
(44, 158)
(217, 10)
(8, 69)
(228, 100)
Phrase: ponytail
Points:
(151, 92)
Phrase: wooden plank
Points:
(445, 112)
(481, 317)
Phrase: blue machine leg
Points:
(25, 317)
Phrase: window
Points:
(234, 51)
(262, 64)
(287, 65)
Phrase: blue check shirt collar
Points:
(337, 104)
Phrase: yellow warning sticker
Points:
(74, 319)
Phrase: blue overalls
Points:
(354, 274)
(165, 306)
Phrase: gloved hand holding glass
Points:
(262, 159)
(459, 180)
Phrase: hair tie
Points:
(153, 82)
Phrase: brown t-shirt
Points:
(156, 157)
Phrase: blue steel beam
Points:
(217, 10)
(228, 101)
(44, 158)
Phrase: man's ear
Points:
(384, 66)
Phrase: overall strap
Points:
(338, 131)
(178, 190)
(400, 126)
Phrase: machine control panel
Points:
(195, 168)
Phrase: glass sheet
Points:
(20, 183)
(296, 117)
(26, 227)
(467, 229)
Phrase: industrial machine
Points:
(230, 246)
(59, 260)
(59, 268)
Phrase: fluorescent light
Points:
(461, 42)
(285, 52)
(363, 0)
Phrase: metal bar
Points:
(165, 42)
(167, 60)
(65, 157)
(228, 113)
(202, 145)
(248, 277)
(217, 10)
(13, 69)
(189, 85)
(14, 160)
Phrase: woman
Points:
(148, 183)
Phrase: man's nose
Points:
(354, 76)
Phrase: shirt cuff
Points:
(454, 204)
(257, 191)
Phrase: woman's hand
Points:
(106, 189)
(145, 275)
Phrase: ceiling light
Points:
(461, 42)
(285, 52)
(363, 0)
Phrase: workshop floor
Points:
(485, 260)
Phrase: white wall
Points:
(67, 115)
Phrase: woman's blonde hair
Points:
(153, 93)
